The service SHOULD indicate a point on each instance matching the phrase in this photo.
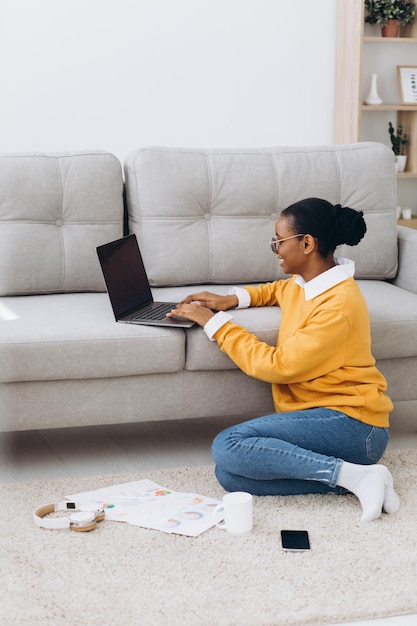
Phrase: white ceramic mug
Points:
(238, 514)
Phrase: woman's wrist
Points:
(232, 301)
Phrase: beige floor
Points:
(36, 455)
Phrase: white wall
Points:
(121, 74)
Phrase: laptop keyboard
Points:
(156, 313)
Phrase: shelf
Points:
(407, 175)
(389, 107)
(408, 223)
(391, 39)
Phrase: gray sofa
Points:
(204, 219)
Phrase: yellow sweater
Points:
(323, 354)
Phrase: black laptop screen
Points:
(125, 275)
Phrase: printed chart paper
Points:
(147, 504)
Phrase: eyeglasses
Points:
(275, 242)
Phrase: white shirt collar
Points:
(344, 268)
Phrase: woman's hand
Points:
(197, 307)
(194, 311)
(212, 300)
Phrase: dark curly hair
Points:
(331, 225)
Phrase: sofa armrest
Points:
(406, 277)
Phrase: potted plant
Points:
(399, 142)
(390, 14)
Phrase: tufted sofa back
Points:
(54, 210)
(207, 216)
(201, 216)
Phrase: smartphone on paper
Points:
(295, 540)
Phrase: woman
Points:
(331, 425)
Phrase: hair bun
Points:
(348, 225)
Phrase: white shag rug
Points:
(126, 575)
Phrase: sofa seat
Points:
(75, 336)
(202, 354)
(393, 319)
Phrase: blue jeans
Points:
(294, 453)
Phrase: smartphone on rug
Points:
(295, 540)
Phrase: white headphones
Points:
(84, 520)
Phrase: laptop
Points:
(128, 286)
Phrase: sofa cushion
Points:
(203, 354)
(75, 336)
(393, 313)
(207, 216)
(55, 209)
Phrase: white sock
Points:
(373, 485)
